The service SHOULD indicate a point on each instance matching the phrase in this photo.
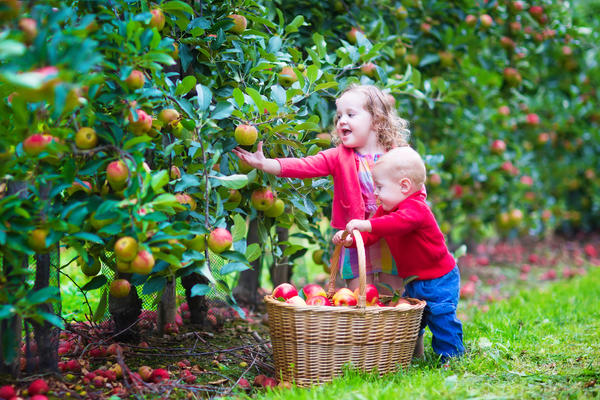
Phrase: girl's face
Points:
(354, 122)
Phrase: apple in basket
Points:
(312, 289)
(284, 291)
(371, 294)
(296, 300)
(344, 297)
(318, 301)
(403, 304)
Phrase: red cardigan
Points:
(414, 237)
(340, 163)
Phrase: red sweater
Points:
(414, 237)
(340, 163)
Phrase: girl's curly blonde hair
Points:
(392, 131)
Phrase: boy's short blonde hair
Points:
(392, 131)
(402, 162)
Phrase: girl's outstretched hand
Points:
(255, 160)
(258, 160)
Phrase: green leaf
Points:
(90, 237)
(102, 306)
(238, 231)
(52, 318)
(237, 181)
(11, 48)
(238, 96)
(135, 141)
(154, 284)
(256, 97)
(312, 73)
(43, 295)
(320, 43)
(326, 85)
(278, 95)
(204, 97)
(176, 5)
(233, 267)
(7, 311)
(166, 199)
(159, 180)
(222, 110)
(461, 251)
(253, 252)
(293, 26)
(200, 289)
(185, 85)
(96, 283)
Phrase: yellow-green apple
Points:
(197, 243)
(276, 209)
(169, 117)
(239, 23)
(86, 138)
(368, 69)
(37, 143)
(142, 263)
(351, 35)
(117, 174)
(401, 12)
(29, 28)
(317, 256)
(135, 80)
(142, 124)
(262, 199)
(120, 288)
(244, 167)
(284, 291)
(37, 240)
(126, 248)
(344, 297)
(515, 217)
(413, 59)
(186, 199)
(245, 135)
(90, 269)
(287, 76)
(371, 294)
(318, 301)
(498, 146)
(512, 76)
(504, 110)
(425, 27)
(80, 186)
(486, 21)
(296, 300)
(158, 19)
(175, 172)
(123, 266)
(234, 196)
(219, 240)
(507, 43)
(312, 289)
(446, 58)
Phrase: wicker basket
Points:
(312, 343)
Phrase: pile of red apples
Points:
(314, 295)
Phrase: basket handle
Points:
(362, 267)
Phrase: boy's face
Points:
(354, 121)
(390, 190)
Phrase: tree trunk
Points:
(246, 291)
(125, 311)
(197, 304)
(281, 270)
(167, 307)
(45, 334)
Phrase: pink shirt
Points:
(340, 163)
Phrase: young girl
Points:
(366, 126)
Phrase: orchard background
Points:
(501, 96)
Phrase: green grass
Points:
(540, 344)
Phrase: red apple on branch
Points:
(126, 248)
(262, 199)
(142, 263)
(239, 23)
(219, 240)
(117, 174)
(120, 288)
(135, 80)
(245, 135)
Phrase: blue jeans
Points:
(441, 295)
